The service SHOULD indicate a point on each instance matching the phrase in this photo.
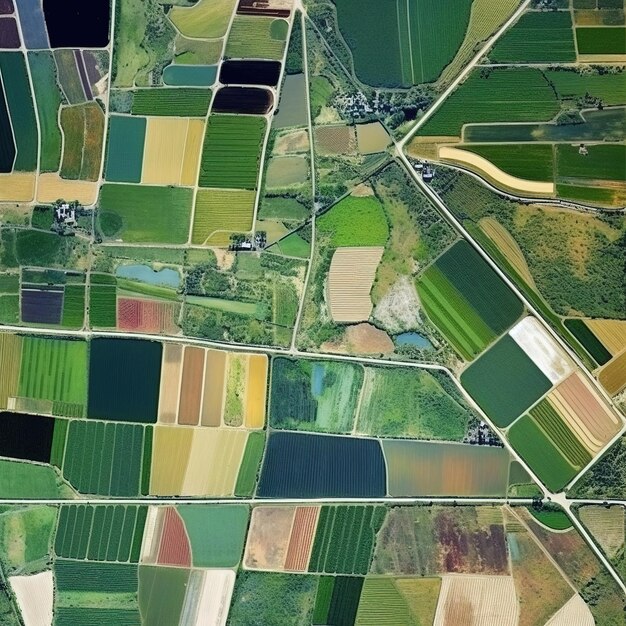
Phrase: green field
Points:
(529, 161)
(27, 480)
(555, 519)
(294, 245)
(124, 158)
(537, 37)
(345, 537)
(555, 428)
(603, 162)
(467, 300)
(147, 214)
(182, 102)
(285, 304)
(205, 19)
(283, 208)
(529, 98)
(504, 382)
(88, 576)
(226, 526)
(541, 455)
(162, 593)
(231, 152)
(248, 309)
(355, 222)
(314, 395)
(21, 109)
(412, 402)
(48, 98)
(102, 306)
(83, 129)
(228, 210)
(589, 341)
(73, 306)
(246, 479)
(102, 533)
(254, 37)
(408, 44)
(610, 88)
(104, 459)
(601, 40)
(55, 370)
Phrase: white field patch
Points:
(476, 601)
(146, 554)
(482, 166)
(208, 596)
(35, 595)
(350, 279)
(543, 351)
(573, 613)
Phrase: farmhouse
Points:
(65, 214)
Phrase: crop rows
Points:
(89, 576)
(182, 102)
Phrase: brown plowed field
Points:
(613, 375)
(174, 547)
(268, 538)
(301, 540)
(256, 391)
(191, 386)
(331, 140)
(213, 388)
(147, 316)
(170, 380)
(584, 410)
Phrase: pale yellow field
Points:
(10, 357)
(17, 187)
(193, 149)
(350, 279)
(574, 612)
(256, 391)
(507, 246)
(214, 461)
(613, 375)
(35, 596)
(164, 150)
(215, 371)
(484, 167)
(602, 58)
(52, 186)
(611, 333)
(268, 538)
(606, 524)
(372, 138)
(170, 382)
(170, 455)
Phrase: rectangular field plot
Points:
(104, 459)
(601, 41)
(314, 395)
(418, 468)
(125, 149)
(182, 102)
(248, 472)
(467, 300)
(312, 466)
(196, 461)
(103, 533)
(124, 377)
(142, 315)
(83, 129)
(505, 382)
(613, 375)
(10, 361)
(345, 539)
(54, 370)
(144, 214)
(256, 37)
(26, 437)
(231, 152)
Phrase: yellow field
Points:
(17, 187)
(492, 173)
(52, 186)
(256, 391)
(507, 246)
(350, 279)
(193, 148)
(606, 524)
(10, 359)
(170, 382)
(205, 19)
(170, 453)
(613, 375)
(611, 333)
(215, 369)
(166, 157)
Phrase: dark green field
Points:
(102, 306)
(73, 306)
(601, 40)
(182, 102)
(603, 162)
(124, 156)
(246, 479)
(529, 161)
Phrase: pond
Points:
(166, 277)
(413, 339)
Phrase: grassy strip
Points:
(246, 479)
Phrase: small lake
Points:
(190, 75)
(166, 277)
(413, 339)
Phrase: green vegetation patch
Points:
(124, 159)
(505, 382)
(102, 306)
(537, 37)
(181, 101)
(73, 306)
(231, 151)
(603, 162)
(543, 457)
(601, 40)
(27, 480)
(590, 342)
(88, 576)
(552, 518)
(608, 87)
(205, 19)
(254, 37)
(294, 245)
(529, 98)
(412, 402)
(529, 161)
(248, 472)
(355, 221)
(224, 525)
(148, 214)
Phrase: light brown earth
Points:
(372, 138)
(361, 339)
(613, 375)
(52, 186)
(606, 524)
(191, 386)
(574, 613)
(213, 388)
(256, 391)
(333, 140)
(301, 539)
(290, 142)
(17, 187)
(268, 538)
(170, 381)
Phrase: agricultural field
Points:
(186, 101)
(253, 37)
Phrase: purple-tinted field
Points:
(91, 66)
(9, 36)
(33, 24)
(42, 306)
(6, 7)
(83, 74)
